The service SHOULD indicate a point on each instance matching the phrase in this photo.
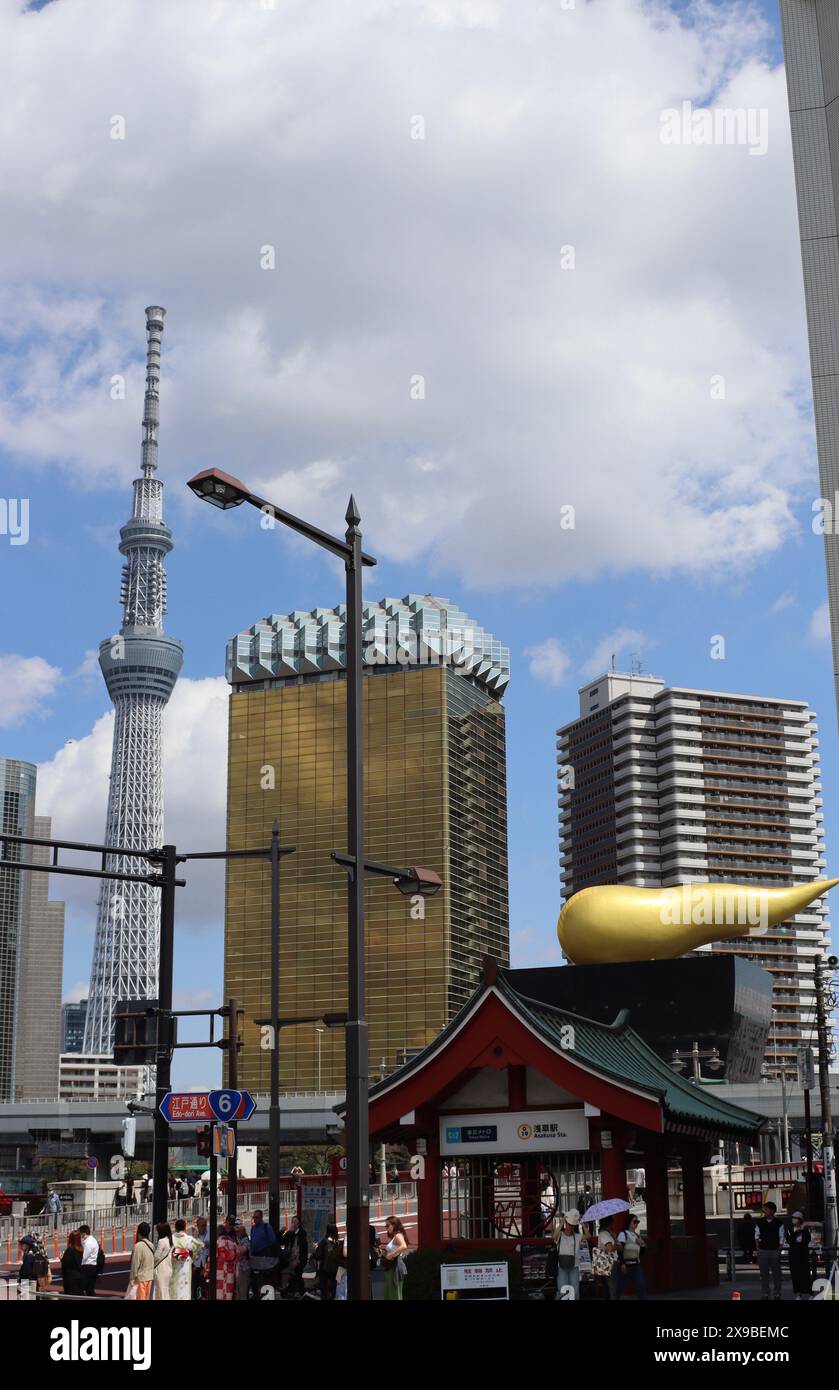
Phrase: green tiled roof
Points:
(613, 1050)
(616, 1050)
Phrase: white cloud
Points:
(622, 643)
(548, 661)
(783, 601)
(75, 993)
(397, 257)
(73, 789)
(27, 682)
(820, 624)
(89, 665)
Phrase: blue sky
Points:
(391, 259)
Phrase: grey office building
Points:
(17, 817)
(38, 1012)
(811, 45)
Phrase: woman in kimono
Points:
(183, 1253)
(163, 1260)
(227, 1261)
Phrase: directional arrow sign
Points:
(247, 1105)
(186, 1107)
(224, 1104)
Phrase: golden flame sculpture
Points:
(611, 923)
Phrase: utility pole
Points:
(168, 860)
(357, 1131)
(233, 1082)
(828, 1157)
(274, 1109)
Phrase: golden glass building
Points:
(435, 795)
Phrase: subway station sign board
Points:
(523, 1131)
(475, 1281)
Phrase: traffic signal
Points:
(129, 1136)
(204, 1141)
(136, 1026)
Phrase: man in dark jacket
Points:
(295, 1243)
(769, 1237)
(747, 1234)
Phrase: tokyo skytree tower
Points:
(140, 667)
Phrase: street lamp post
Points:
(225, 492)
(695, 1057)
(824, 969)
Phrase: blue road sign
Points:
(224, 1104)
(93, 1163)
(186, 1107)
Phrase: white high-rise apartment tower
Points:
(663, 786)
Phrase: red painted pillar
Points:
(429, 1222)
(613, 1177)
(693, 1191)
(658, 1221)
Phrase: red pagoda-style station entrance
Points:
(521, 1109)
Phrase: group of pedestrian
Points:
(612, 1259)
(167, 1269)
(81, 1264)
(331, 1260)
(771, 1236)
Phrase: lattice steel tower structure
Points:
(140, 666)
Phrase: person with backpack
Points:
(328, 1261)
(630, 1247)
(93, 1260)
(563, 1265)
(27, 1274)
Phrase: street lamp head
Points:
(419, 882)
(677, 1063)
(222, 489)
(715, 1061)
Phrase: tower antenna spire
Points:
(151, 407)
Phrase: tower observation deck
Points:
(140, 665)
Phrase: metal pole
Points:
(274, 1108)
(731, 1260)
(211, 1292)
(233, 1079)
(785, 1152)
(808, 1150)
(163, 1053)
(357, 1135)
(828, 1157)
